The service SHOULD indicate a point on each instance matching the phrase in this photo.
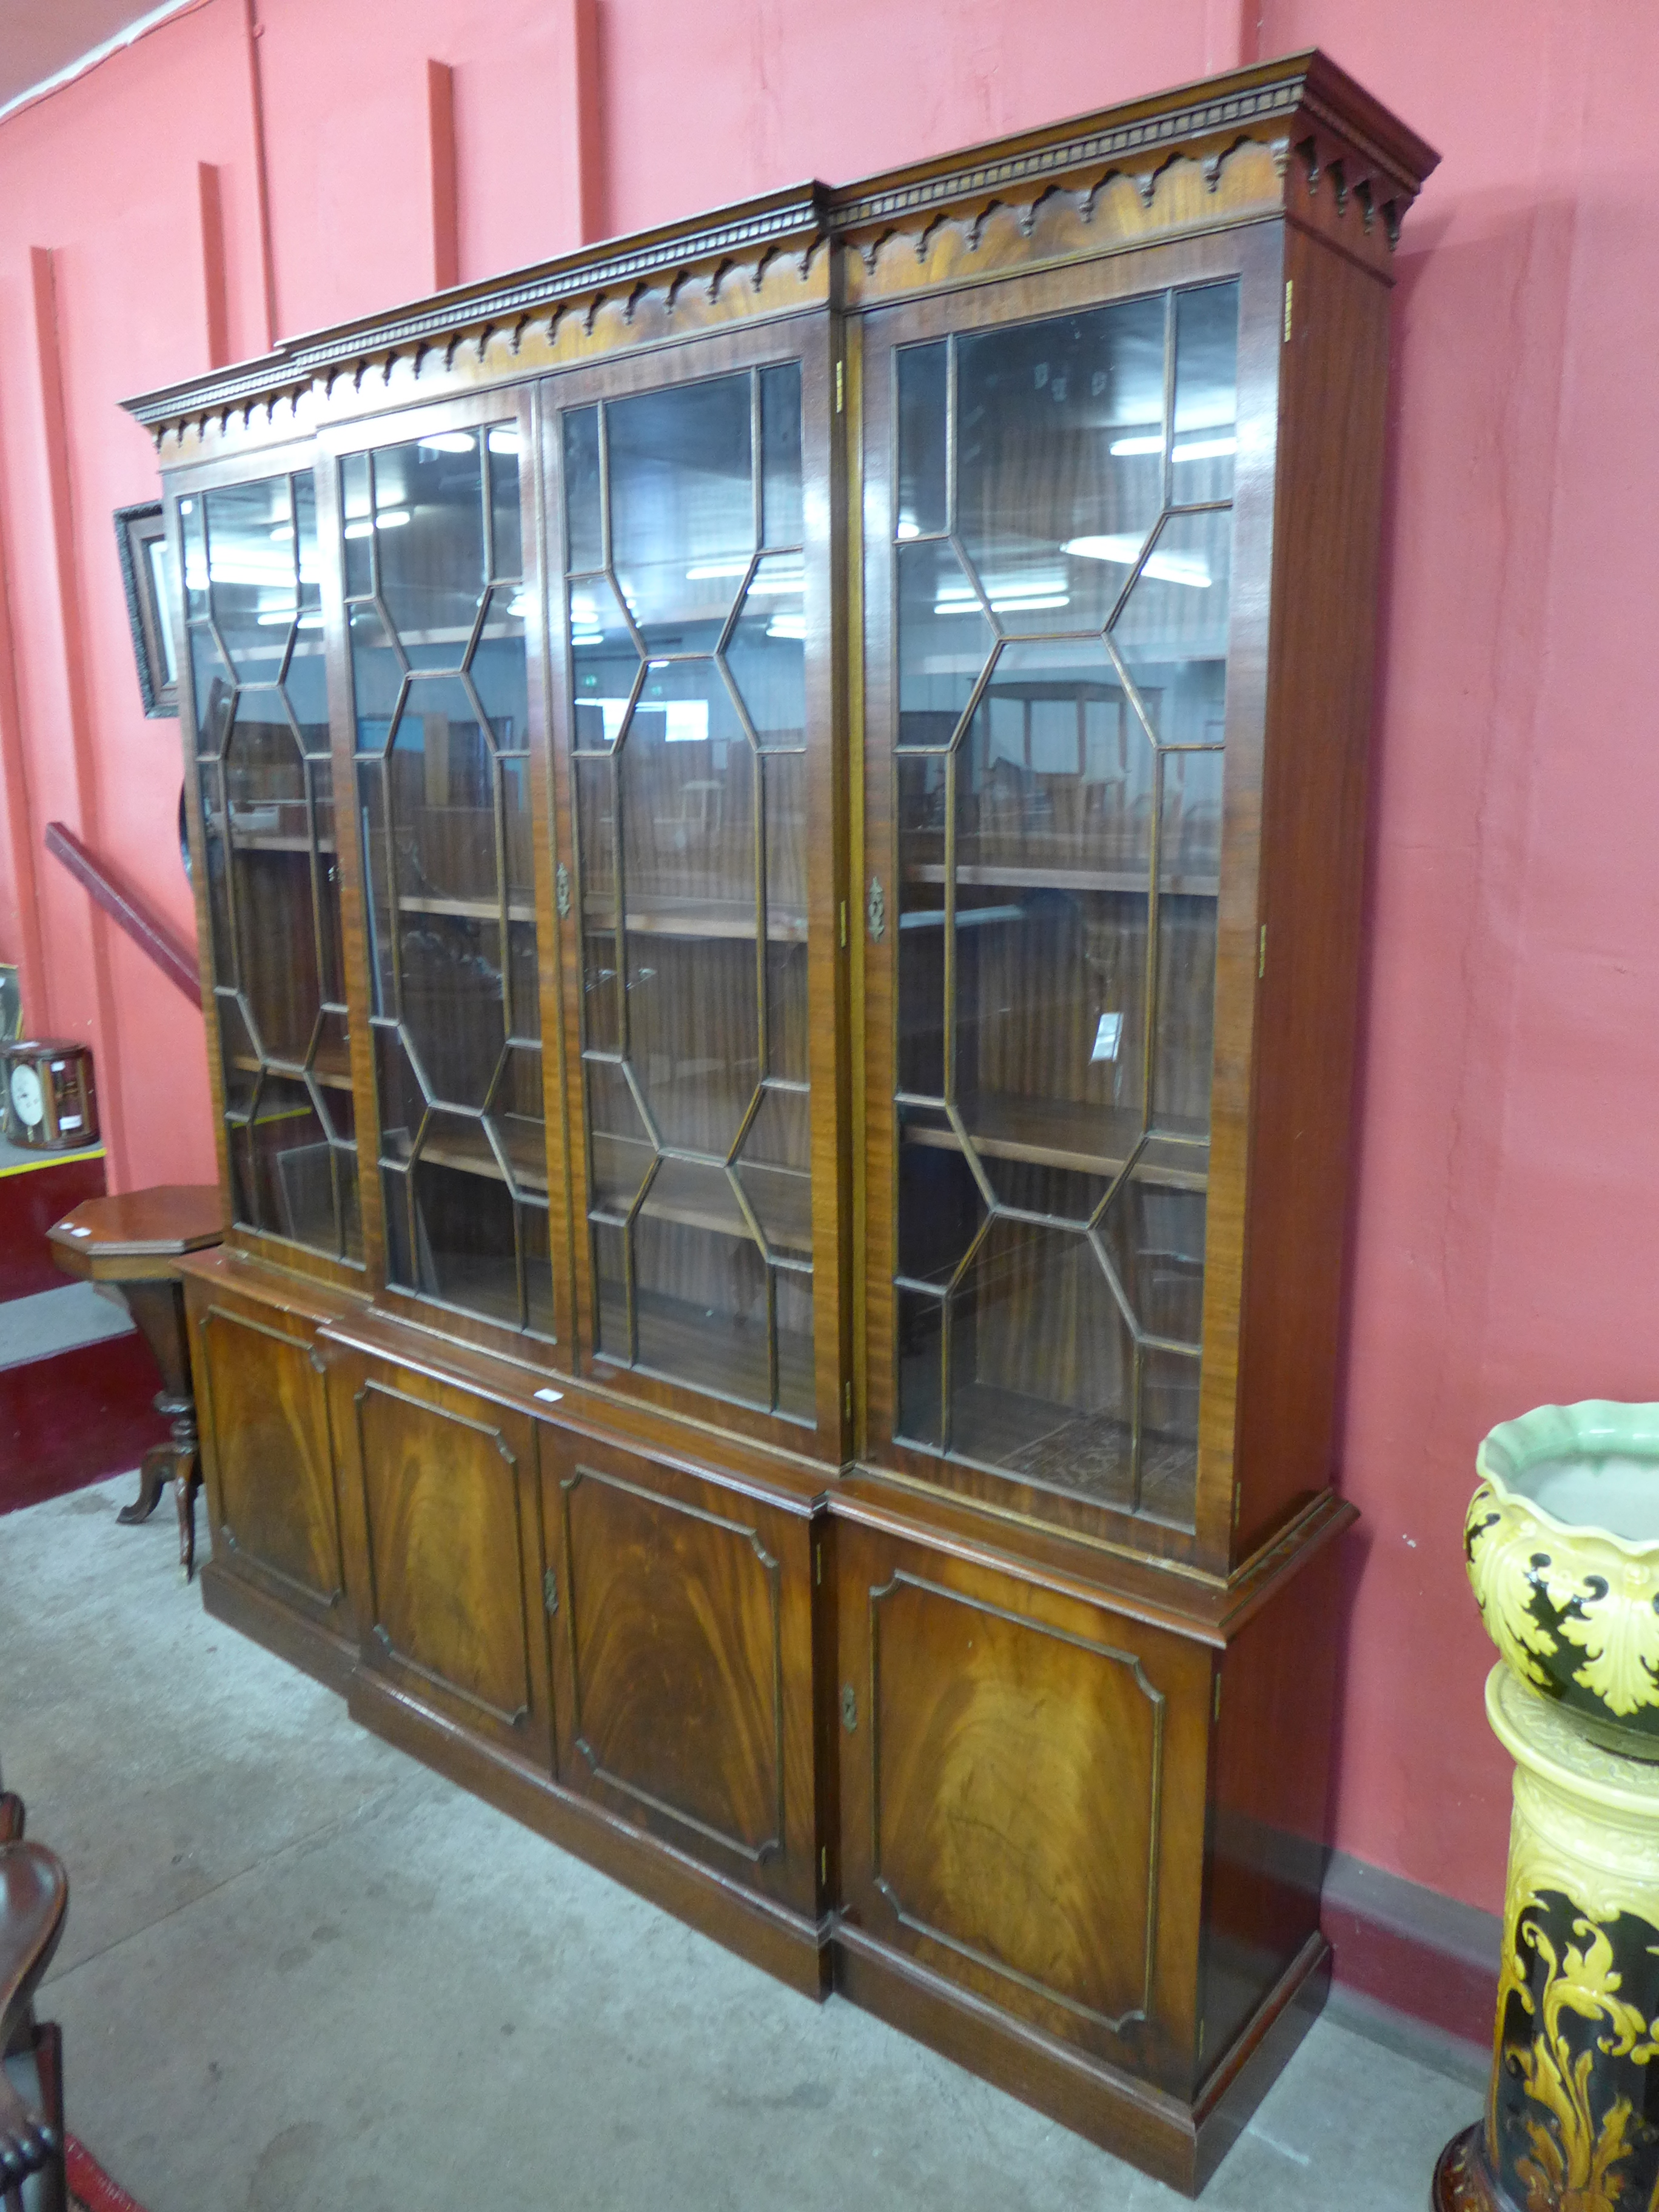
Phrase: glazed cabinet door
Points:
(451, 864)
(254, 707)
(440, 1496)
(1064, 637)
(685, 1640)
(695, 721)
(267, 1455)
(1022, 1798)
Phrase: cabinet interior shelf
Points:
(469, 1150)
(689, 917)
(469, 909)
(681, 1192)
(1022, 875)
(332, 1074)
(1088, 1139)
(241, 842)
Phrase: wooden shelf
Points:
(1035, 876)
(1087, 1139)
(695, 917)
(525, 1141)
(722, 1353)
(782, 1197)
(469, 909)
(240, 843)
(331, 1075)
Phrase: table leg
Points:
(186, 1481)
(152, 1482)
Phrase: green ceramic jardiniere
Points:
(1562, 1539)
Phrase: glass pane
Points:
(253, 570)
(1188, 859)
(240, 1060)
(380, 915)
(1206, 393)
(515, 1121)
(525, 979)
(501, 445)
(358, 501)
(921, 1339)
(518, 836)
(694, 1036)
(331, 1070)
(466, 1225)
(681, 508)
(767, 654)
(377, 679)
(941, 1207)
(774, 1168)
(351, 1213)
(443, 798)
(700, 1298)
(218, 864)
(1172, 632)
(453, 1006)
(922, 373)
(921, 797)
(214, 689)
(781, 453)
(429, 543)
(1040, 791)
(497, 668)
(610, 1292)
(536, 1243)
(403, 1101)
(784, 779)
(1064, 456)
(396, 1193)
(264, 777)
(687, 802)
(605, 660)
(294, 1183)
(792, 1298)
(1041, 1363)
(192, 521)
(584, 534)
(272, 891)
(945, 640)
(620, 1147)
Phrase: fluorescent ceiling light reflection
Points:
(448, 441)
(1165, 566)
(282, 533)
(389, 518)
(706, 571)
(1205, 449)
(909, 528)
(1006, 599)
(503, 442)
(1194, 449)
(1122, 448)
(782, 625)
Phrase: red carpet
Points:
(91, 2189)
(76, 1418)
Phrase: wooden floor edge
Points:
(792, 1950)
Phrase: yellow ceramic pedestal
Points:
(1576, 2062)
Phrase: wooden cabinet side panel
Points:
(452, 1601)
(1022, 1798)
(268, 1454)
(685, 1650)
(1270, 1788)
(1312, 861)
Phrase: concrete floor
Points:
(301, 1972)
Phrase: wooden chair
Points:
(34, 1900)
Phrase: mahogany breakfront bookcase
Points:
(777, 812)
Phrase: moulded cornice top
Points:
(1303, 99)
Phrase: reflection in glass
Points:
(689, 673)
(255, 651)
(1062, 546)
(436, 608)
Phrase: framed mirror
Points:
(141, 540)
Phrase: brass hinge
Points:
(1201, 2025)
(1215, 1703)
(1262, 953)
(823, 1864)
(561, 889)
(843, 925)
(817, 1564)
(849, 1707)
(551, 1591)
(847, 1400)
(841, 387)
(1290, 289)
(1239, 1502)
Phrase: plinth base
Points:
(1576, 2044)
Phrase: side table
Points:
(133, 1243)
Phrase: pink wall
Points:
(1508, 1149)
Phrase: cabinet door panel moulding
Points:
(778, 808)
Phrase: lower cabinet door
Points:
(263, 1415)
(684, 1632)
(442, 1487)
(1023, 1784)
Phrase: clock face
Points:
(26, 1096)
